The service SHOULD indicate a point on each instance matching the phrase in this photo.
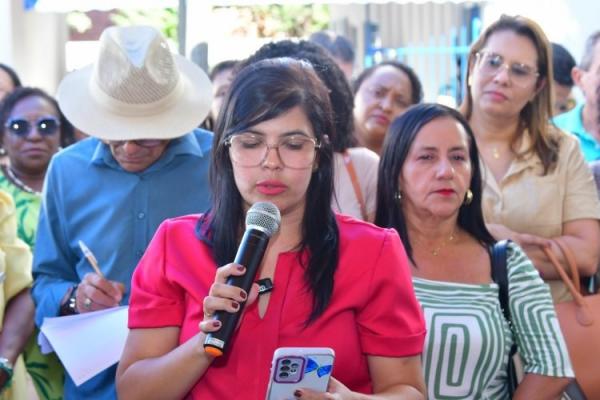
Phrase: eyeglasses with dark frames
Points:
(147, 143)
(22, 127)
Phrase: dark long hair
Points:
(340, 94)
(398, 141)
(67, 134)
(260, 92)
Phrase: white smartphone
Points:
(294, 368)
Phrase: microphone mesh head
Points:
(263, 216)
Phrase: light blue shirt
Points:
(572, 122)
(88, 196)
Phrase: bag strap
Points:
(584, 314)
(354, 179)
(571, 262)
(499, 255)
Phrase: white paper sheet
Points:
(87, 343)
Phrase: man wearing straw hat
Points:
(143, 163)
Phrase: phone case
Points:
(299, 367)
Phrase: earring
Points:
(468, 197)
(398, 196)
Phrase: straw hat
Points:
(136, 89)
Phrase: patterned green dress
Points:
(468, 340)
(46, 371)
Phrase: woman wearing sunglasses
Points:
(536, 183)
(32, 129)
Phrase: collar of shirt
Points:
(185, 145)
(530, 160)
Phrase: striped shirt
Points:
(468, 340)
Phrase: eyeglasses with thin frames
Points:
(521, 74)
(21, 127)
(251, 150)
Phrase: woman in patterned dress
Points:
(430, 191)
(32, 129)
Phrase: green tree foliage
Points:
(165, 19)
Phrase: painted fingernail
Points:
(243, 295)
(240, 268)
(298, 393)
(216, 323)
(235, 304)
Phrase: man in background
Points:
(143, 162)
(582, 121)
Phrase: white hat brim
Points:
(79, 107)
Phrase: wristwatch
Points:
(7, 367)
(69, 307)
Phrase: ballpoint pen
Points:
(91, 258)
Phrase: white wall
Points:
(568, 22)
(33, 44)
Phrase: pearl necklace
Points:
(19, 183)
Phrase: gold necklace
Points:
(436, 250)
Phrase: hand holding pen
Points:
(95, 292)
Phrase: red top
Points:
(373, 309)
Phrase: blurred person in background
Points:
(355, 169)
(582, 121)
(382, 93)
(9, 80)
(221, 76)
(339, 48)
(537, 184)
(562, 64)
(32, 130)
(16, 305)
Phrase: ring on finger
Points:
(87, 303)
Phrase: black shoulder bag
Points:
(500, 276)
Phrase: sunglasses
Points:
(21, 127)
(148, 143)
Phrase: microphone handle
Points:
(250, 254)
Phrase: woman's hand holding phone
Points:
(336, 390)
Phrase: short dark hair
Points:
(588, 53)
(222, 66)
(415, 84)
(14, 77)
(337, 45)
(67, 133)
(260, 92)
(340, 94)
(398, 141)
(562, 64)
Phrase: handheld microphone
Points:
(262, 221)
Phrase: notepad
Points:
(86, 343)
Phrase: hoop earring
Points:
(468, 198)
